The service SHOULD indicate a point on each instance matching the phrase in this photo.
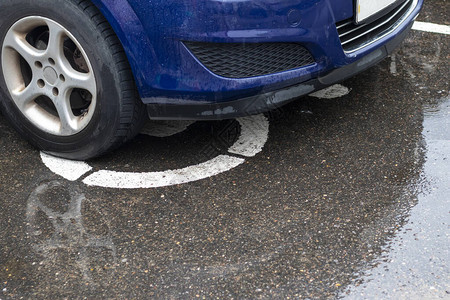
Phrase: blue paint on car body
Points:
(167, 72)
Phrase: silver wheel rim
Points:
(49, 76)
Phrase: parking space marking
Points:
(331, 92)
(254, 135)
(431, 27)
(133, 180)
(69, 169)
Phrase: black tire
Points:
(115, 112)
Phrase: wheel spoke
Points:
(26, 96)
(20, 45)
(68, 120)
(55, 40)
(84, 81)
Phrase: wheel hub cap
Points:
(50, 75)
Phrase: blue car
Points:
(80, 77)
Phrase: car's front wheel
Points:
(66, 83)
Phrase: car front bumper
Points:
(270, 100)
(175, 84)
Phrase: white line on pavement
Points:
(331, 92)
(132, 180)
(69, 169)
(431, 27)
(254, 134)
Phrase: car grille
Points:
(239, 60)
(354, 37)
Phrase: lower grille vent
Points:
(239, 60)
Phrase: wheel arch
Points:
(130, 31)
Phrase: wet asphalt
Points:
(349, 198)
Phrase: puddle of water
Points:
(415, 261)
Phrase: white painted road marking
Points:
(431, 27)
(331, 92)
(254, 134)
(133, 180)
(69, 169)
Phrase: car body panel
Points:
(166, 72)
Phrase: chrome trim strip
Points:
(373, 28)
(399, 9)
(390, 30)
(343, 25)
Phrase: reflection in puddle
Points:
(415, 262)
(65, 238)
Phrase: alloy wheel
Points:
(49, 76)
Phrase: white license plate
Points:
(367, 8)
